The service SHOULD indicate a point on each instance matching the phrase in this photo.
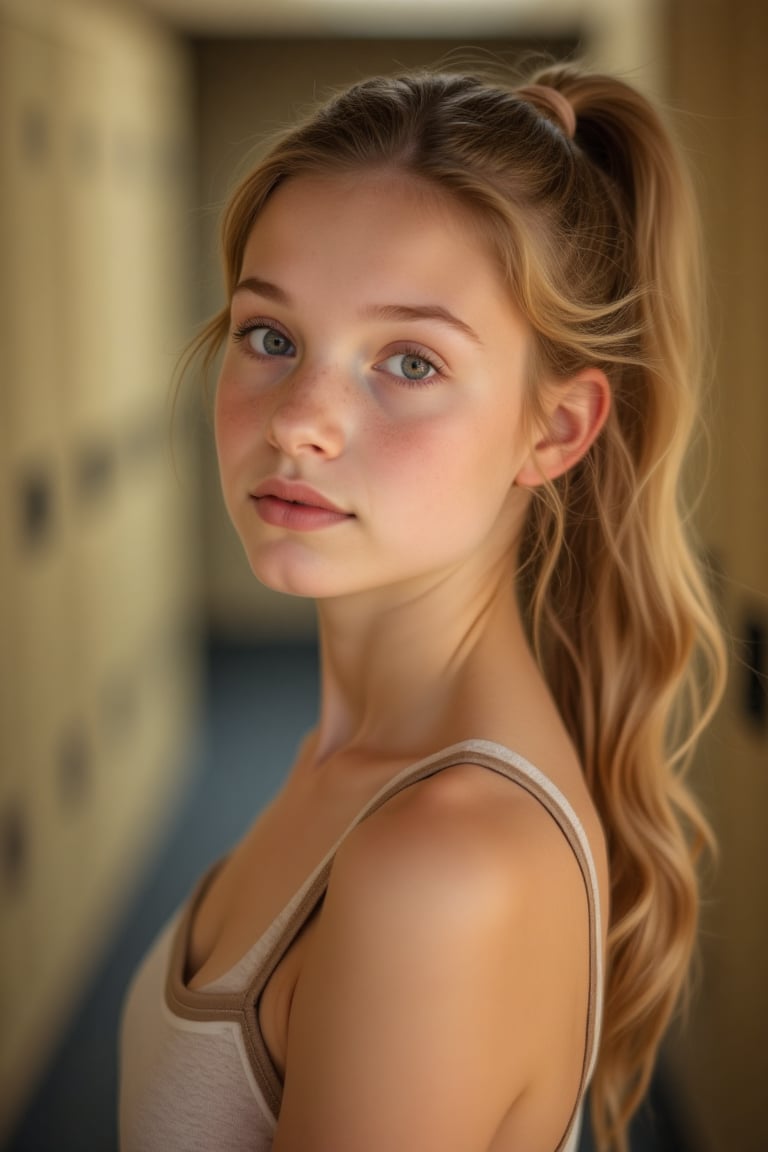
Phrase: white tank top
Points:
(195, 1072)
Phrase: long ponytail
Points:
(621, 617)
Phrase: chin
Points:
(301, 579)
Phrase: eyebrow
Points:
(405, 312)
(410, 312)
(263, 288)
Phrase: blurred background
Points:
(151, 694)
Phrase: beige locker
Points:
(36, 457)
(137, 283)
(45, 779)
(30, 292)
(78, 84)
(92, 525)
(15, 807)
(18, 965)
(91, 388)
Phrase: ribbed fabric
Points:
(195, 1072)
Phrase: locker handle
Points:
(36, 506)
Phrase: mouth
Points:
(297, 494)
(295, 506)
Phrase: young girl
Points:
(458, 382)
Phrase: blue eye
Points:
(410, 366)
(270, 342)
(264, 340)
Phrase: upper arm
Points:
(424, 1008)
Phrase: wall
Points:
(717, 75)
(97, 613)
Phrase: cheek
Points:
(235, 416)
(422, 473)
(408, 455)
(459, 454)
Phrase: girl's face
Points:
(374, 358)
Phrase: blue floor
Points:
(259, 702)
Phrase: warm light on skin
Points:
(374, 312)
(355, 272)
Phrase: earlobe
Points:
(577, 410)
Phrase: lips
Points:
(295, 492)
(296, 507)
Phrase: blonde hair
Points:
(592, 219)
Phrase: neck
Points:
(404, 670)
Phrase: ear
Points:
(577, 408)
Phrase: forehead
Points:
(390, 218)
(410, 193)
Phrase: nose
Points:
(310, 413)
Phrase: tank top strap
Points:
(520, 771)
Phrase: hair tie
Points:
(549, 99)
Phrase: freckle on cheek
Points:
(401, 439)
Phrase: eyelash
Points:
(242, 331)
(418, 354)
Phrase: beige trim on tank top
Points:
(242, 1006)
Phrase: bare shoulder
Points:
(469, 832)
(451, 950)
